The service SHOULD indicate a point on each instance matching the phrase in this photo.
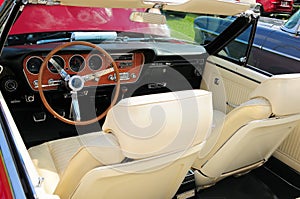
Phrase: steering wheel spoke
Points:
(76, 84)
(75, 106)
(59, 69)
(96, 75)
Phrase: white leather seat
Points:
(159, 134)
(248, 135)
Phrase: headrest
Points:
(155, 124)
(283, 93)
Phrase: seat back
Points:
(151, 125)
(161, 134)
(136, 179)
(250, 133)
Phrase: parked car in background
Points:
(276, 43)
(276, 6)
(296, 5)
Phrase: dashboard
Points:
(144, 67)
(129, 65)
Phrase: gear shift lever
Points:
(124, 89)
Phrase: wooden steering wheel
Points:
(76, 83)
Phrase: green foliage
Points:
(182, 28)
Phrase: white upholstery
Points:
(248, 135)
(165, 132)
(282, 91)
(52, 158)
(158, 177)
(160, 123)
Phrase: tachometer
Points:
(76, 63)
(59, 60)
(33, 64)
(95, 62)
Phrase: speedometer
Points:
(59, 60)
(76, 63)
(33, 64)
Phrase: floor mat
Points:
(243, 187)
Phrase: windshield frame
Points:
(9, 11)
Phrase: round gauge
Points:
(76, 63)
(95, 62)
(33, 64)
(59, 60)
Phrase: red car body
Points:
(5, 190)
(276, 6)
(70, 18)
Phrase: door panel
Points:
(231, 84)
(289, 151)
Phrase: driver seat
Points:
(147, 146)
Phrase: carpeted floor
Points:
(261, 183)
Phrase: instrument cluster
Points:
(129, 64)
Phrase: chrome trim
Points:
(244, 169)
(51, 83)
(23, 154)
(45, 2)
(33, 57)
(60, 57)
(88, 61)
(83, 65)
(279, 53)
(232, 105)
(120, 54)
(137, 76)
(257, 46)
(12, 173)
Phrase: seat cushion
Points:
(255, 109)
(52, 158)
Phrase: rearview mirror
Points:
(146, 17)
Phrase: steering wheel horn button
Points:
(76, 83)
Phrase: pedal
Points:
(61, 112)
(39, 117)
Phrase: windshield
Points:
(38, 23)
(41, 18)
(293, 21)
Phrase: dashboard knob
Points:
(10, 85)
(112, 77)
(133, 75)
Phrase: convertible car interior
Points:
(107, 100)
